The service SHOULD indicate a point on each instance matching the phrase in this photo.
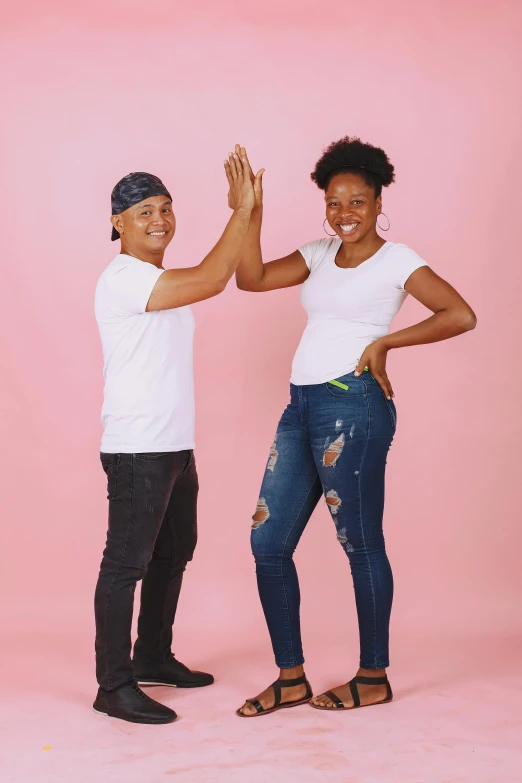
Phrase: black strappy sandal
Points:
(339, 705)
(278, 685)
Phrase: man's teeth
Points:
(157, 233)
(349, 227)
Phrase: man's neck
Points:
(156, 259)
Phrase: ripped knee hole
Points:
(261, 515)
(333, 451)
(333, 501)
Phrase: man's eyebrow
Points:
(142, 206)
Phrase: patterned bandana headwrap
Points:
(131, 190)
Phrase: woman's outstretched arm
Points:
(252, 274)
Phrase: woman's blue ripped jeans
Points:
(332, 442)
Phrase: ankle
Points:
(291, 674)
(371, 673)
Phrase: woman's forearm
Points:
(439, 326)
(250, 269)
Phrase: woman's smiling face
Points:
(351, 207)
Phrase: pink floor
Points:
(455, 719)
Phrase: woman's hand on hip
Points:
(374, 358)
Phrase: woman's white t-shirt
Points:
(148, 400)
(347, 308)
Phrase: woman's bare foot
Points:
(267, 698)
(368, 694)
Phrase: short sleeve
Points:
(406, 261)
(312, 251)
(131, 286)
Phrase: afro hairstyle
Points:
(350, 153)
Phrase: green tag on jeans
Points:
(339, 384)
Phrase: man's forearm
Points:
(222, 261)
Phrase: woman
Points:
(334, 436)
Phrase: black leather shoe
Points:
(130, 703)
(173, 673)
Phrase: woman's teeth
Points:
(347, 227)
(157, 233)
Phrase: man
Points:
(146, 328)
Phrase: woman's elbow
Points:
(244, 286)
(468, 319)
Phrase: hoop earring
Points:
(387, 218)
(327, 232)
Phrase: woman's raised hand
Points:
(238, 160)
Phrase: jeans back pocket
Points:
(111, 466)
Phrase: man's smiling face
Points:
(148, 225)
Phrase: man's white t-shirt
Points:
(148, 367)
(347, 308)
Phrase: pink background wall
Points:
(89, 95)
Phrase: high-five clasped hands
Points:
(245, 187)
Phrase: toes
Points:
(323, 701)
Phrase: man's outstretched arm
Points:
(179, 287)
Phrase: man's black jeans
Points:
(152, 534)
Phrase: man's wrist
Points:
(243, 210)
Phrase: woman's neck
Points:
(354, 253)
